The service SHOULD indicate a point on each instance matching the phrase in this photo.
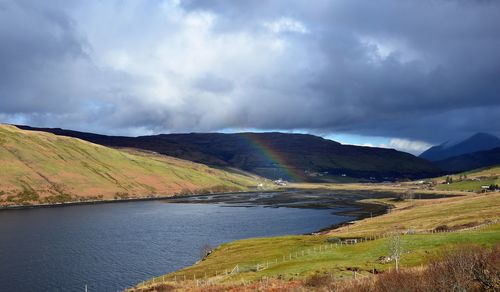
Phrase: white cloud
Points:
(286, 24)
(414, 147)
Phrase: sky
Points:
(390, 73)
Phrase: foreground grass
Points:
(466, 267)
(298, 257)
(340, 260)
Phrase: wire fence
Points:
(210, 278)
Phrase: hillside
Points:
(475, 143)
(470, 161)
(39, 167)
(471, 181)
(296, 157)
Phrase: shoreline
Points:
(302, 199)
(361, 210)
(110, 201)
(358, 215)
(358, 210)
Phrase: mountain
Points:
(297, 157)
(470, 161)
(39, 167)
(475, 143)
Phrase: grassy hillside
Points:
(471, 180)
(296, 157)
(38, 167)
(298, 257)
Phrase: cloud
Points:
(415, 70)
(415, 147)
(285, 24)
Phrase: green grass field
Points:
(471, 180)
(39, 167)
(339, 260)
(421, 215)
(311, 254)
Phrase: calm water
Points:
(113, 246)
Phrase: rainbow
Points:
(273, 156)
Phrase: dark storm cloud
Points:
(421, 70)
(39, 53)
(416, 69)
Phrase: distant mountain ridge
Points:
(470, 161)
(298, 157)
(475, 143)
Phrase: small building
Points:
(280, 182)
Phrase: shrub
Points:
(318, 280)
(469, 268)
(27, 194)
(158, 288)
(407, 280)
(442, 228)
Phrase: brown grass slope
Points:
(38, 167)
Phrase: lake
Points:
(109, 247)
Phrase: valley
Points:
(271, 146)
(372, 195)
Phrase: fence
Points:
(202, 279)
